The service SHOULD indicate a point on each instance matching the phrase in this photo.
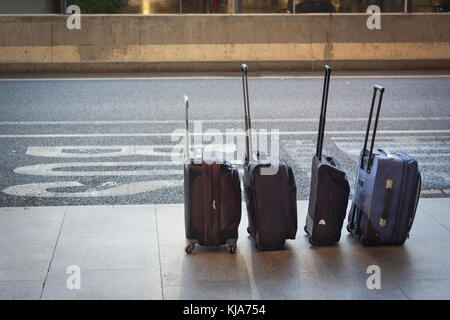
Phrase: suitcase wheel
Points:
(365, 242)
(231, 248)
(249, 231)
(190, 248)
(349, 229)
(306, 231)
(310, 241)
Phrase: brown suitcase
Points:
(212, 200)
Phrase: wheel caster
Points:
(249, 231)
(231, 249)
(310, 241)
(306, 230)
(348, 229)
(364, 241)
(190, 248)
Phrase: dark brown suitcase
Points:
(271, 199)
(212, 200)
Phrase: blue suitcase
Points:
(386, 193)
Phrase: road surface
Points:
(87, 141)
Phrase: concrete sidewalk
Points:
(137, 252)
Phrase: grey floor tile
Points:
(426, 289)
(427, 225)
(171, 229)
(439, 209)
(25, 260)
(33, 224)
(104, 219)
(20, 290)
(417, 259)
(105, 285)
(322, 286)
(222, 290)
(212, 264)
(107, 251)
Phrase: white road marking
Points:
(116, 150)
(178, 134)
(51, 169)
(131, 122)
(224, 78)
(41, 189)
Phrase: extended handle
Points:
(248, 124)
(186, 102)
(376, 88)
(323, 112)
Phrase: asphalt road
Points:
(109, 141)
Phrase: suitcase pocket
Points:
(198, 200)
(230, 202)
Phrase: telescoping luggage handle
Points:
(369, 159)
(323, 112)
(248, 125)
(187, 154)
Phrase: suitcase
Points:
(212, 200)
(270, 198)
(329, 189)
(387, 191)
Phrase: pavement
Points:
(137, 252)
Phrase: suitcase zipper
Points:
(397, 218)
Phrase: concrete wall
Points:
(128, 43)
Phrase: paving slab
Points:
(20, 290)
(35, 224)
(426, 289)
(107, 251)
(106, 285)
(25, 260)
(110, 219)
(220, 290)
(322, 286)
(137, 252)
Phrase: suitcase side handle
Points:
(187, 154)
(323, 112)
(381, 89)
(248, 124)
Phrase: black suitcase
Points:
(329, 190)
(271, 199)
(212, 200)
